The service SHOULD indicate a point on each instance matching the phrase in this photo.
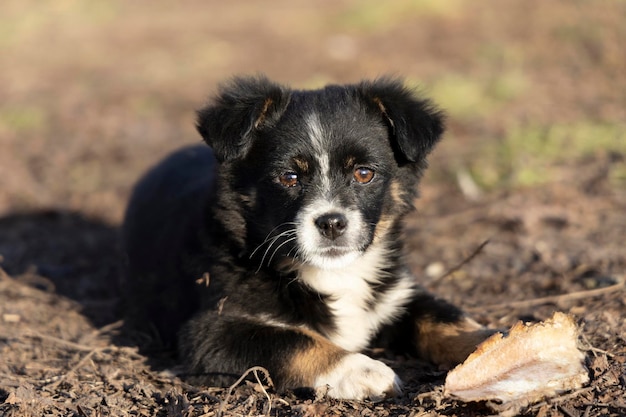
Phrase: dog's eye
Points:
(363, 175)
(288, 179)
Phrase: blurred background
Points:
(92, 93)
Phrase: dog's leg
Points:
(448, 343)
(218, 345)
(436, 331)
(442, 333)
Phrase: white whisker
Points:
(286, 233)
(291, 239)
(269, 237)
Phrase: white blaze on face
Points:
(344, 269)
(319, 141)
(314, 248)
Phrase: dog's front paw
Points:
(357, 377)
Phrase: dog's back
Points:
(164, 216)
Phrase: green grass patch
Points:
(318, 80)
(373, 15)
(22, 119)
(22, 21)
(466, 98)
(532, 155)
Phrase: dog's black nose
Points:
(332, 225)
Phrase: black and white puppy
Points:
(280, 244)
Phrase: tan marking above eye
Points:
(288, 179)
(363, 175)
(301, 163)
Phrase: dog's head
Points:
(318, 176)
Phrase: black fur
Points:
(203, 211)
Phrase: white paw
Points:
(357, 377)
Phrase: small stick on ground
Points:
(102, 330)
(74, 368)
(553, 299)
(62, 342)
(269, 399)
(245, 374)
(561, 398)
(588, 346)
(464, 262)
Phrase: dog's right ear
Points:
(242, 107)
(415, 124)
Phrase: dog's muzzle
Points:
(331, 225)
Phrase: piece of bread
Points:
(531, 363)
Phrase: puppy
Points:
(280, 245)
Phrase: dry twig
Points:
(553, 299)
(254, 369)
(269, 399)
(73, 369)
(462, 263)
(561, 398)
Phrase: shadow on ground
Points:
(67, 253)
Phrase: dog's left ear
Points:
(415, 124)
(243, 107)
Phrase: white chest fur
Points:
(350, 297)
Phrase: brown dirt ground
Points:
(92, 95)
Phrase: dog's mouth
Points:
(335, 251)
(329, 235)
(332, 257)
